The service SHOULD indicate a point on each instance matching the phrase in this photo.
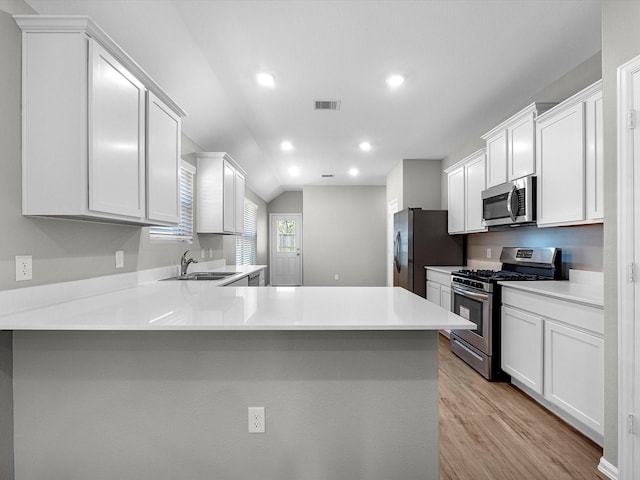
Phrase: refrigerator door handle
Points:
(396, 251)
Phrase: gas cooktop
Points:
(495, 275)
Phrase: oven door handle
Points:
(469, 293)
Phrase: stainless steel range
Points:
(476, 296)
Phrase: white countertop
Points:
(592, 295)
(200, 305)
(444, 269)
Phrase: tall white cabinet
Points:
(220, 191)
(466, 180)
(570, 161)
(93, 144)
(511, 146)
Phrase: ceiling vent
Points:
(326, 105)
(328, 175)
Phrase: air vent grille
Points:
(326, 105)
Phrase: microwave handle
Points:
(512, 214)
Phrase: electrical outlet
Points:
(119, 259)
(203, 254)
(488, 253)
(211, 253)
(336, 277)
(24, 269)
(256, 420)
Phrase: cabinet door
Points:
(574, 379)
(497, 159)
(521, 339)
(229, 198)
(594, 174)
(116, 137)
(445, 297)
(433, 292)
(239, 203)
(475, 184)
(163, 154)
(456, 200)
(561, 167)
(522, 159)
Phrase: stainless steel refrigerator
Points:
(422, 238)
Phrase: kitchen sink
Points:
(203, 276)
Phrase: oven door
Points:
(474, 306)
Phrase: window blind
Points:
(247, 243)
(183, 232)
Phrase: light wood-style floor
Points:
(493, 431)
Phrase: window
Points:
(247, 243)
(183, 232)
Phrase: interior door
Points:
(286, 249)
(628, 227)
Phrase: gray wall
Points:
(64, 250)
(620, 43)
(173, 405)
(287, 202)
(415, 183)
(344, 233)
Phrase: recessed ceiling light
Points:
(394, 81)
(266, 79)
(365, 146)
(294, 171)
(353, 172)
(286, 146)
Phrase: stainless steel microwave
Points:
(511, 203)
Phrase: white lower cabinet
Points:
(573, 373)
(445, 297)
(521, 341)
(439, 288)
(554, 350)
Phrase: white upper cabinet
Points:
(455, 194)
(570, 162)
(163, 154)
(116, 137)
(220, 191)
(497, 158)
(466, 181)
(511, 146)
(93, 148)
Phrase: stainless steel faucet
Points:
(184, 263)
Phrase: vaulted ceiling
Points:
(467, 65)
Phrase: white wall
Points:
(344, 233)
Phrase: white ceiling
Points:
(468, 63)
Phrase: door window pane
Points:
(286, 236)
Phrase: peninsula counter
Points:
(154, 382)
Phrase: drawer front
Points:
(581, 316)
(439, 277)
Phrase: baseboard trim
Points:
(608, 469)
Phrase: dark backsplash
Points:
(582, 246)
